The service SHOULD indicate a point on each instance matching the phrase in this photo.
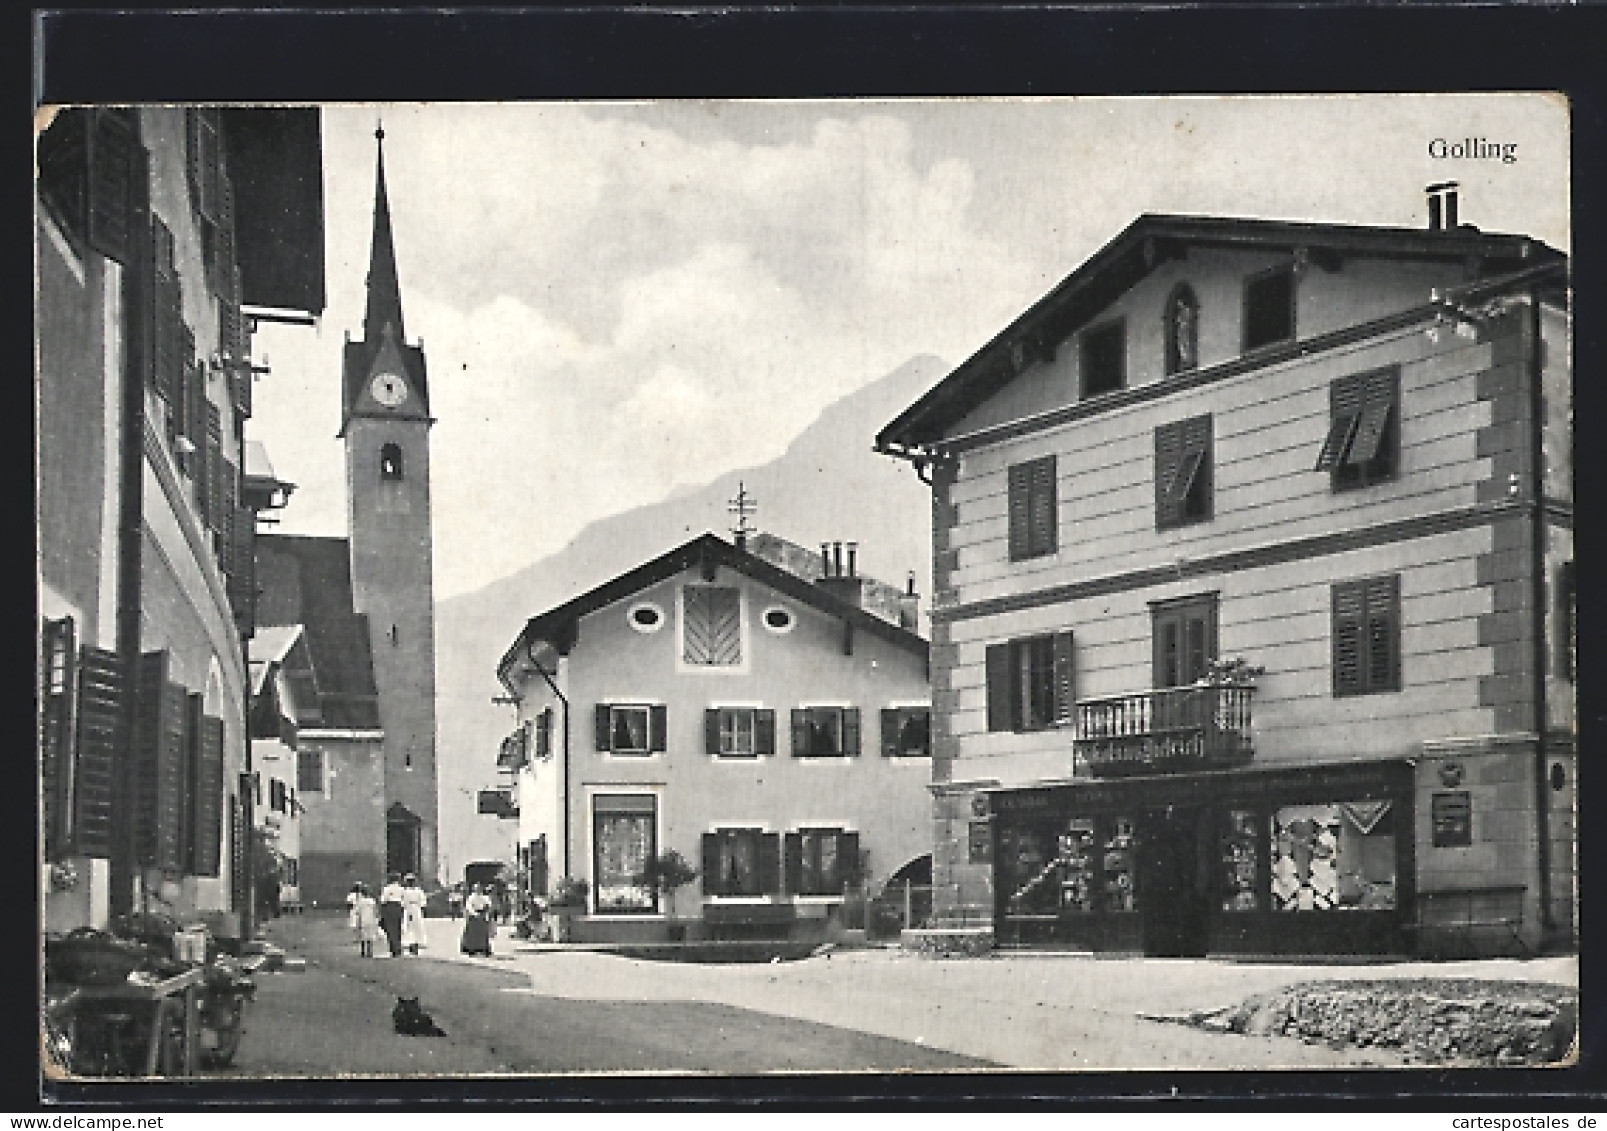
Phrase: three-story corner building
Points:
(162, 235)
(771, 728)
(1253, 596)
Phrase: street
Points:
(540, 1009)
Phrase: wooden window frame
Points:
(1363, 444)
(1033, 508)
(1185, 473)
(803, 871)
(1012, 669)
(847, 725)
(323, 771)
(1371, 609)
(895, 725)
(1088, 351)
(719, 723)
(767, 877)
(1251, 282)
(1201, 608)
(655, 720)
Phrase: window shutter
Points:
(165, 357)
(1020, 486)
(100, 692)
(204, 147)
(800, 733)
(1347, 626)
(212, 509)
(1168, 453)
(712, 883)
(657, 726)
(764, 733)
(111, 182)
(847, 858)
(57, 640)
(711, 731)
(1065, 677)
(770, 863)
(999, 684)
(604, 730)
(1045, 507)
(63, 159)
(209, 799)
(1383, 633)
(890, 720)
(243, 569)
(162, 765)
(851, 731)
(793, 874)
(1381, 394)
(1564, 625)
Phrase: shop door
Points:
(1173, 894)
(402, 841)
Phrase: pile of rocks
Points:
(948, 942)
(1434, 1020)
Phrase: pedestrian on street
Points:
(390, 913)
(476, 923)
(365, 913)
(454, 901)
(351, 905)
(412, 914)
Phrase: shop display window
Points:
(1334, 857)
(1241, 863)
(1119, 866)
(1079, 867)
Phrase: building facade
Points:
(1253, 596)
(767, 727)
(161, 235)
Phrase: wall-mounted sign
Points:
(979, 846)
(1453, 819)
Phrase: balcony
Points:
(1167, 731)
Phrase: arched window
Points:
(1182, 330)
(390, 462)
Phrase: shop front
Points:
(1309, 860)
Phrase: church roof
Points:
(307, 581)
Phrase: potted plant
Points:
(568, 900)
(665, 874)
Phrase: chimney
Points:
(845, 586)
(909, 606)
(1441, 206)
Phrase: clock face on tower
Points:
(388, 389)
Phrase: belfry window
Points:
(390, 462)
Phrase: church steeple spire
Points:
(384, 290)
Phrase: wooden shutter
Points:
(1168, 453)
(847, 858)
(792, 875)
(243, 568)
(1044, 507)
(112, 167)
(890, 728)
(1348, 606)
(1563, 627)
(162, 769)
(212, 507)
(1346, 399)
(712, 625)
(800, 732)
(229, 505)
(1020, 510)
(603, 733)
(63, 159)
(167, 358)
(764, 733)
(100, 692)
(58, 647)
(713, 882)
(1000, 699)
(657, 727)
(1383, 634)
(711, 731)
(205, 143)
(1065, 677)
(769, 863)
(209, 799)
(851, 731)
(1381, 393)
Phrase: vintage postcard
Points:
(846, 586)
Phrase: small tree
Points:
(665, 874)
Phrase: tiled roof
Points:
(307, 581)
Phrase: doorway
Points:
(1174, 898)
(403, 849)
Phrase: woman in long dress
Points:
(476, 923)
(412, 914)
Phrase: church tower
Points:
(386, 426)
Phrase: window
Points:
(57, 684)
(1566, 628)
(906, 732)
(739, 732)
(624, 839)
(1184, 639)
(544, 734)
(1033, 510)
(1182, 330)
(1031, 683)
(1104, 359)
(821, 861)
(1183, 472)
(1334, 857)
(310, 770)
(633, 729)
(778, 619)
(825, 732)
(646, 617)
(390, 462)
(711, 625)
(1367, 636)
(1269, 308)
(1363, 442)
(741, 862)
(1452, 816)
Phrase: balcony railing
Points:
(1169, 730)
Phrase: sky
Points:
(619, 299)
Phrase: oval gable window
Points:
(778, 619)
(646, 617)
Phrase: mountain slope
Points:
(829, 485)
